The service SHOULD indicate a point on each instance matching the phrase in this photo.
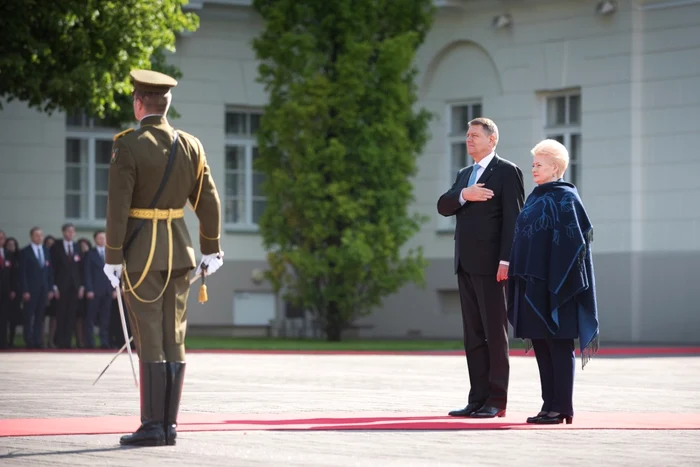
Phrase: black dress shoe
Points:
(467, 411)
(489, 412)
(148, 434)
(555, 419)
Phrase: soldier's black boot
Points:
(152, 390)
(175, 381)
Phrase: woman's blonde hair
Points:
(554, 149)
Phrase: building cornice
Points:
(198, 4)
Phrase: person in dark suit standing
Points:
(99, 292)
(10, 297)
(66, 267)
(84, 246)
(50, 311)
(486, 198)
(4, 284)
(36, 278)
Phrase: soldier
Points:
(154, 171)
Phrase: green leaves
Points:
(76, 55)
(338, 143)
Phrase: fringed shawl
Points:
(552, 254)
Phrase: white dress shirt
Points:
(479, 167)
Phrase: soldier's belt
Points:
(157, 214)
(154, 215)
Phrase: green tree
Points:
(76, 55)
(338, 144)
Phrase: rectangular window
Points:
(88, 150)
(563, 123)
(459, 115)
(245, 202)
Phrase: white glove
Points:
(113, 273)
(213, 262)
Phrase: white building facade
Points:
(620, 90)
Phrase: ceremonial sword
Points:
(127, 345)
(126, 338)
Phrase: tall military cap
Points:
(151, 81)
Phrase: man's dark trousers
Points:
(99, 311)
(485, 324)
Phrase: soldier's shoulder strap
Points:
(196, 146)
(195, 150)
(119, 135)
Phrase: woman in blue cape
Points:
(551, 286)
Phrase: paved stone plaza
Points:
(44, 385)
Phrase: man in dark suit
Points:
(36, 278)
(4, 279)
(486, 198)
(66, 267)
(99, 293)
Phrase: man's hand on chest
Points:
(476, 192)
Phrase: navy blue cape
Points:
(551, 253)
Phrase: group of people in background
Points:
(59, 282)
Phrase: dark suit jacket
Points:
(9, 276)
(65, 268)
(35, 279)
(484, 232)
(95, 279)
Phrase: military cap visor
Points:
(151, 81)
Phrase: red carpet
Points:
(345, 422)
(612, 352)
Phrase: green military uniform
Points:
(158, 262)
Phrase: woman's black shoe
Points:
(536, 417)
(555, 419)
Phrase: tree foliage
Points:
(76, 55)
(338, 144)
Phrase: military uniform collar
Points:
(153, 120)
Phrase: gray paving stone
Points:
(39, 385)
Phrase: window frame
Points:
(92, 132)
(567, 131)
(450, 223)
(249, 142)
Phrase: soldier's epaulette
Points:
(119, 135)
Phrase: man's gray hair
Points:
(488, 125)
